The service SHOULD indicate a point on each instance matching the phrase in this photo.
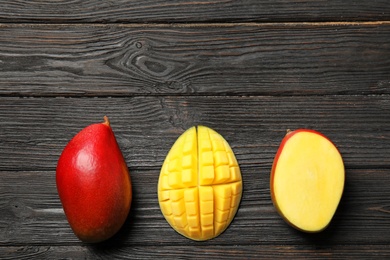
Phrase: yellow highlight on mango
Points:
(200, 184)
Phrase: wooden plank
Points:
(195, 59)
(152, 11)
(31, 214)
(198, 252)
(35, 130)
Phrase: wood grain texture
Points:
(147, 127)
(233, 59)
(32, 214)
(201, 252)
(151, 11)
(248, 69)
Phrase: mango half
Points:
(307, 180)
(200, 184)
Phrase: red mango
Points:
(94, 184)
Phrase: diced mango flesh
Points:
(200, 185)
(308, 181)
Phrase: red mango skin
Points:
(94, 184)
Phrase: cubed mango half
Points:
(200, 184)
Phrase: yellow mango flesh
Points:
(200, 185)
(307, 181)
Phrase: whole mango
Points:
(94, 184)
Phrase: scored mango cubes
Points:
(200, 184)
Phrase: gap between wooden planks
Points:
(202, 24)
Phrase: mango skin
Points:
(94, 184)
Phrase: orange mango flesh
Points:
(200, 185)
(307, 180)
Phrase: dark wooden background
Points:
(248, 69)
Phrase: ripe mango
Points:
(93, 183)
(307, 180)
(200, 184)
